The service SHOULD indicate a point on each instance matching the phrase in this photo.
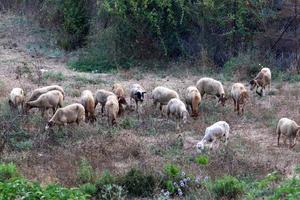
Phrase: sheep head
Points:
(184, 116)
(122, 100)
(253, 83)
(200, 146)
(49, 124)
(222, 99)
(139, 95)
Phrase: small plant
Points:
(85, 80)
(8, 171)
(228, 187)
(54, 76)
(297, 169)
(105, 179)
(85, 172)
(139, 184)
(172, 170)
(128, 123)
(201, 160)
(111, 192)
(88, 188)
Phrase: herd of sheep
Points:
(170, 104)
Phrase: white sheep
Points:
(192, 99)
(211, 86)
(213, 133)
(239, 95)
(67, 115)
(39, 91)
(88, 102)
(290, 129)
(262, 79)
(163, 95)
(52, 99)
(176, 107)
(112, 108)
(137, 93)
(17, 99)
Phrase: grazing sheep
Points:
(290, 129)
(213, 133)
(192, 99)
(120, 92)
(88, 102)
(239, 95)
(163, 95)
(112, 108)
(16, 99)
(101, 97)
(262, 79)
(67, 115)
(137, 93)
(52, 99)
(211, 87)
(177, 108)
(39, 91)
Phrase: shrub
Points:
(111, 192)
(201, 160)
(88, 188)
(54, 76)
(105, 179)
(229, 187)
(172, 170)
(138, 184)
(85, 173)
(289, 189)
(8, 171)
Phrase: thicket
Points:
(123, 33)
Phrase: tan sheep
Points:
(67, 115)
(262, 79)
(290, 129)
(52, 99)
(211, 86)
(239, 95)
(163, 95)
(39, 91)
(176, 107)
(192, 99)
(112, 108)
(88, 102)
(101, 97)
(120, 92)
(17, 99)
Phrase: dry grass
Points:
(151, 142)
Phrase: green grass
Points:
(54, 76)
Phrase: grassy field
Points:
(148, 143)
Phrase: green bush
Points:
(228, 187)
(105, 179)
(85, 173)
(8, 171)
(13, 186)
(138, 184)
(172, 170)
(289, 190)
(88, 188)
(54, 76)
(201, 160)
(111, 192)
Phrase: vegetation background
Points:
(153, 42)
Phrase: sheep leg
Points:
(294, 142)
(177, 124)
(234, 102)
(238, 107)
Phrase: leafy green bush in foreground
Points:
(13, 186)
